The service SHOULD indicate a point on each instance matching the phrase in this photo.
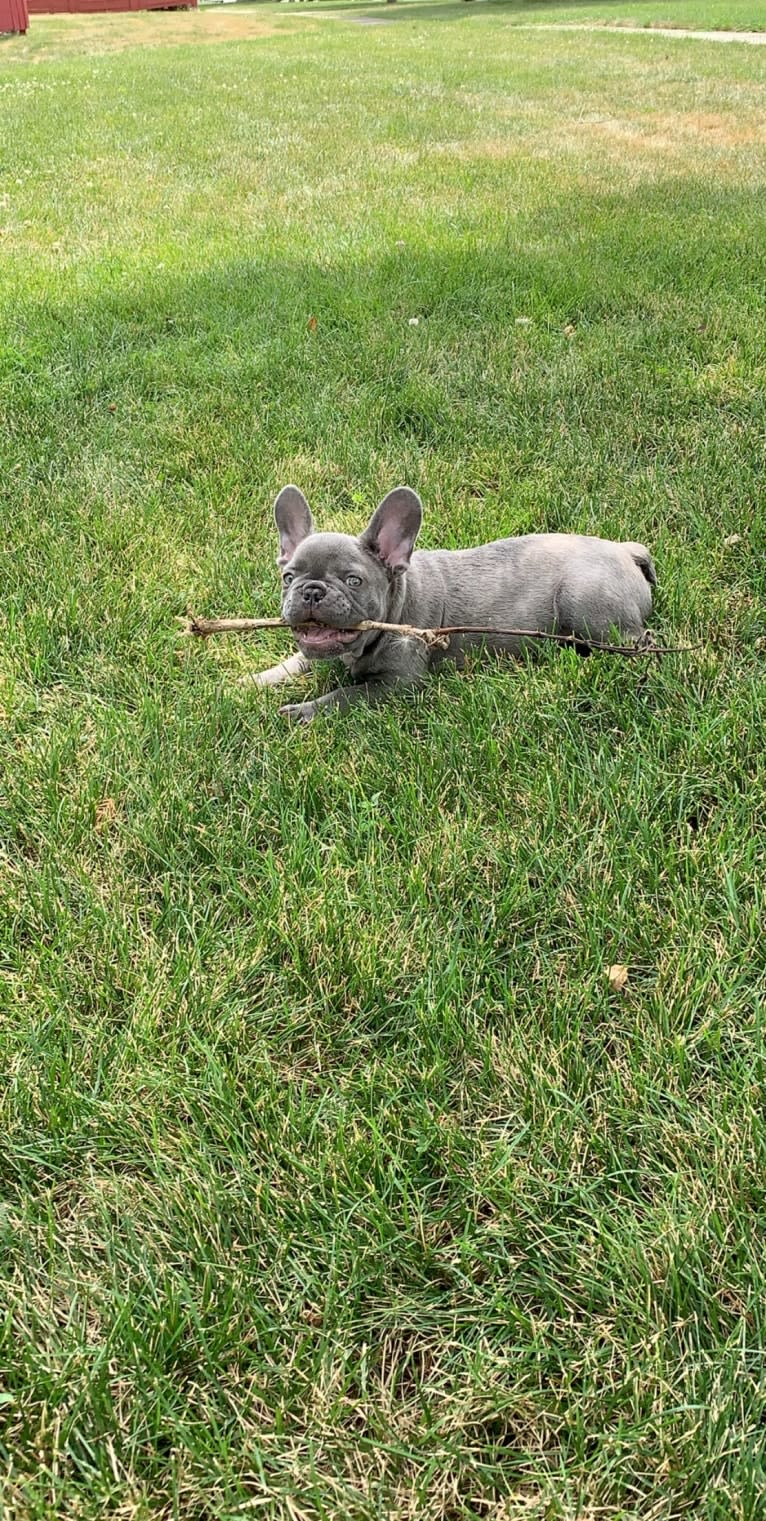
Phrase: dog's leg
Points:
(346, 697)
(341, 698)
(287, 670)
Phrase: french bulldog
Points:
(553, 582)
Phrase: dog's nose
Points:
(313, 592)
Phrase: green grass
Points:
(336, 1181)
(718, 15)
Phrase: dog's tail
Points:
(644, 561)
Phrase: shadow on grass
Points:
(449, 10)
(679, 237)
(166, 413)
(293, 332)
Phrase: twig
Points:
(202, 628)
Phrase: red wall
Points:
(46, 7)
(13, 15)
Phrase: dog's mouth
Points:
(322, 638)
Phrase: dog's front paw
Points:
(299, 712)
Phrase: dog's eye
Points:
(287, 578)
(353, 580)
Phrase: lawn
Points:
(717, 15)
(337, 1182)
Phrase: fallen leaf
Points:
(106, 812)
(570, 330)
(618, 976)
(312, 324)
(734, 538)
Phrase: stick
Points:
(202, 628)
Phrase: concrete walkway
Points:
(756, 39)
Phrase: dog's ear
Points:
(292, 515)
(393, 528)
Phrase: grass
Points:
(716, 15)
(336, 1181)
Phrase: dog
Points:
(566, 583)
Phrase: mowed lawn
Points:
(337, 1181)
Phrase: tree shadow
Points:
(454, 10)
(150, 427)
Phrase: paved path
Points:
(757, 39)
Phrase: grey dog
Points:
(555, 582)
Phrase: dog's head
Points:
(332, 581)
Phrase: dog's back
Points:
(571, 583)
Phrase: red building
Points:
(46, 7)
(13, 15)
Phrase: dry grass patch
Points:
(60, 37)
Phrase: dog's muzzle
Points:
(320, 639)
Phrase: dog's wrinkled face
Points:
(329, 585)
(332, 581)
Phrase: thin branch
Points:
(202, 628)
